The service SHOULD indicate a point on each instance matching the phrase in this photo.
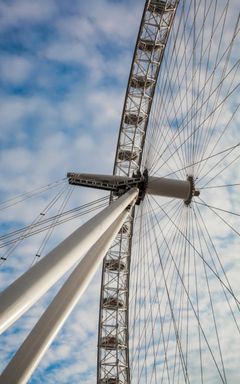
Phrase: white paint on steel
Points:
(99, 177)
(159, 186)
(36, 344)
(29, 287)
(179, 189)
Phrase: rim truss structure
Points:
(113, 349)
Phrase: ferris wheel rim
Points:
(185, 168)
(128, 155)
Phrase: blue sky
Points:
(63, 72)
(60, 66)
(64, 67)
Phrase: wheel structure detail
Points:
(113, 348)
(174, 316)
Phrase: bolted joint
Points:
(142, 185)
(192, 192)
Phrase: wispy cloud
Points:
(63, 74)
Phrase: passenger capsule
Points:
(115, 265)
(112, 303)
(141, 82)
(133, 119)
(127, 155)
(111, 342)
(149, 45)
(110, 380)
(157, 6)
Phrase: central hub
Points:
(151, 185)
(179, 189)
(193, 192)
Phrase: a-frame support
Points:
(93, 239)
(36, 344)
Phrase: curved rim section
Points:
(113, 349)
(184, 319)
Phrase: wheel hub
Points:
(151, 185)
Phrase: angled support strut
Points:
(33, 348)
(29, 287)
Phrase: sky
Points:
(64, 67)
(63, 72)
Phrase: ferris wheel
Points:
(170, 297)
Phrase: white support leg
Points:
(29, 287)
(32, 350)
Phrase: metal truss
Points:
(113, 352)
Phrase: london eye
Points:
(168, 236)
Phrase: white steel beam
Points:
(33, 348)
(29, 287)
(161, 186)
(158, 186)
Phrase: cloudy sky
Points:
(64, 67)
(63, 72)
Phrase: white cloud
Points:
(15, 69)
(68, 121)
(15, 12)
